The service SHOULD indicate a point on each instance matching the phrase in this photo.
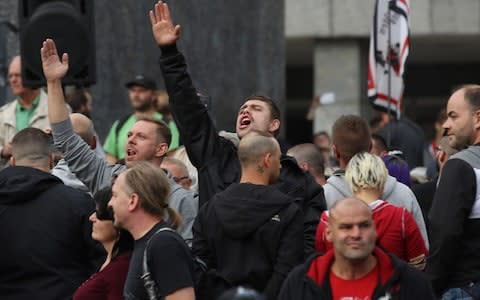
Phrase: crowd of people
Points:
(171, 208)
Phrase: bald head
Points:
(254, 146)
(348, 206)
(83, 126)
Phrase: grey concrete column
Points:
(338, 68)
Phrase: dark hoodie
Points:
(46, 245)
(249, 235)
(397, 281)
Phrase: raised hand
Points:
(53, 68)
(164, 32)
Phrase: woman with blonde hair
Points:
(397, 231)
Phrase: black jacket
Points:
(454, 259)
(47, 248)
(216, 157)
(249, 235)
(403, 283)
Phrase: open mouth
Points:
(244, 122)
(131, 152)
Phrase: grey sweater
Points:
(394, 192)
(96, 174)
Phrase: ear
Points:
(304, 166)
(51, 163)
(161, 150)
(13, 161)
(477, 119)
(133, 202)
(337, 153)
(328, 233)
(93, 144)
(274, 126)
(266, 159)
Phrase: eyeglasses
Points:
(178, 179)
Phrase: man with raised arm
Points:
(215, 157)
(148, 140)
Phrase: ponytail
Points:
(174, 219)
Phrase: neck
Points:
(26, 99)
(109, 248)
(368, 195)
(142, 224)
(146, 113)
(351, 270)
(252, 176)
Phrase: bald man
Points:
(83, 127)
(250, 234)
(310, 159)
(355, 268)
(28, 109)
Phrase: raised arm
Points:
(54, 70)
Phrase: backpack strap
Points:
(148, 282)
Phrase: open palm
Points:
(53, 68)
(164, 32)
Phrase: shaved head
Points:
(83, 126)
(254, 146)
(348, 204)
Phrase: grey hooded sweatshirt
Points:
(394, 192)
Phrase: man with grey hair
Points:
(355, 268)
(310, 159)
(29, 109)
(251, 233)
(178, 170)
(454, 261)
(47, 249)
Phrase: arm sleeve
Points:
(451, 206)
(197, 130)
(93, 171)
(200, 246)
(289, 255)
(414, 243)
(170, 264)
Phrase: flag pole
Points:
(389, 72)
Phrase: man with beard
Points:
(141, 91)
(454, 262)
(355, 268)
(215, 157)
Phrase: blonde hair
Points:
(366, 171)
(150, 183)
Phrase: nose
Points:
(93, 217)
(446, 124)
(355, 232)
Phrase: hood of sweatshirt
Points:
(21, 184)
(243, 207)
(338, 184)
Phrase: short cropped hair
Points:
(164, 135)
(310, 154)
(351, 135)
(274, 111)
(472, 96)
(32, 145)
(366, 171)
(253, 146)
(77, 98)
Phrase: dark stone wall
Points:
(233, 49)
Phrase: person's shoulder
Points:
(8, 105)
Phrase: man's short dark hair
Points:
(163, 131)
(274, 111)
(472, 96)
(351, 135)
(31, 144)
(381, 143)
(76, 99)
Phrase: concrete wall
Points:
(234, 49)
(340, 18)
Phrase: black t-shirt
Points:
(169, 261)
